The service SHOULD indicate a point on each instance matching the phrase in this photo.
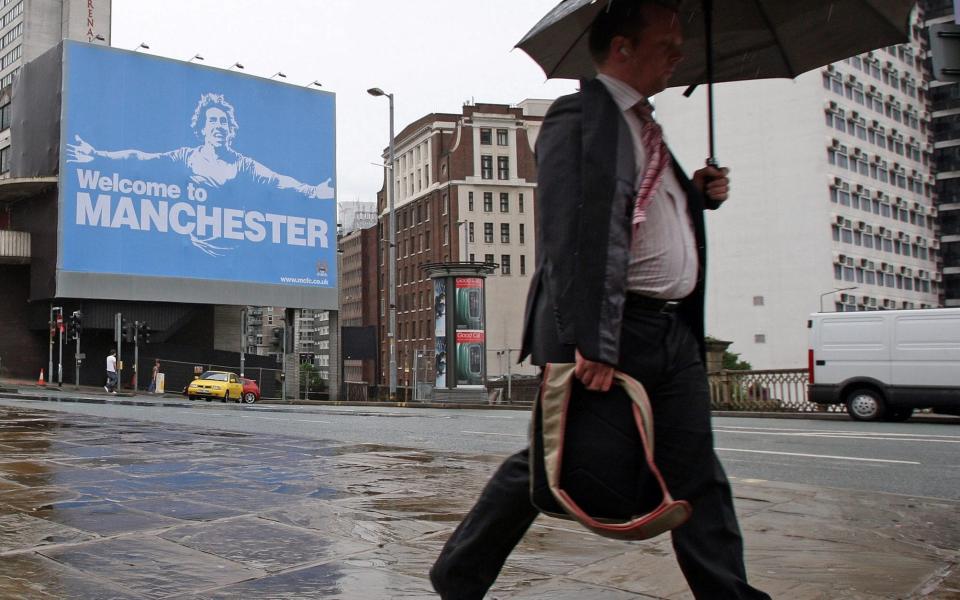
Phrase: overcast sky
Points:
(433, 55)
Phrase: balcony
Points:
(14, 247)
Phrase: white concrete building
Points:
(28, 28)
(831, 188)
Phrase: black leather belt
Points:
(638, 302)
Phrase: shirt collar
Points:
(623, 95)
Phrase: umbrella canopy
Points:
(752, 39)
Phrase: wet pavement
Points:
(116, 509)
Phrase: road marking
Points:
(854, 458)
(494, 433)
(277, 419)
(850, 436)
(838, 431)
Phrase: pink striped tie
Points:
(658, 158)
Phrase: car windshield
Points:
(214, 376)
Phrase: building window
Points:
(520, 234)
(504, 202)
(520, 203)
(472, 257)
(486, 137)
(760, 338)
(488, 233)
(488, 202)
(505, 264)
(470, 201)
(445, 208)
(488, 258)
(501, 137)
(486, 167)
(503, 167)
(523, 264)
(5, 116)
(758, 300)
(504, 233)
(426, 239)
(470, 232)
(5, 160)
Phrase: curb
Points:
(173, 400)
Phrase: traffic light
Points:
(129, 330)
(75, 326)
(143, 332)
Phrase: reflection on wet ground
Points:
(98, 509)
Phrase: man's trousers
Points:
(659, 351)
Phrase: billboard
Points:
(469, 331)
(185, 183)
(440, 331)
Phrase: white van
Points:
(885, 364)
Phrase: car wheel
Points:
(249, 397)
(898, 415)
(865, 405)
(226, 397)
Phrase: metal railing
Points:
(777, 390)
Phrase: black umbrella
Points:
(733, 40)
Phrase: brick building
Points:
(358, 294)
(465, 186)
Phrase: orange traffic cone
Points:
(41, 381)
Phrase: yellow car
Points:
(216, 384)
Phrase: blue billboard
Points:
(186, 176)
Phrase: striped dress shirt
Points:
(663, 254)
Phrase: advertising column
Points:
(440, 331)
(469, 331)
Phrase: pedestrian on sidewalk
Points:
(153, 377)
(112, 378)
(619, 285)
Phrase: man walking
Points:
(619, 285)
(112, 378)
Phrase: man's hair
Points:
(620, 17)
(112, 352)
(200, 114)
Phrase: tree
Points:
(310, 380)
(732, 362)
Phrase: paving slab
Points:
(116, 509)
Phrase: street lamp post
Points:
(834, 291)
(466, 238)
(392, 253)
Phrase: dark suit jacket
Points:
(586, 187)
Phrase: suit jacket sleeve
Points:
(583, 221)
(558, 207)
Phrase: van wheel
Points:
(865, 405)
(898, 415)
